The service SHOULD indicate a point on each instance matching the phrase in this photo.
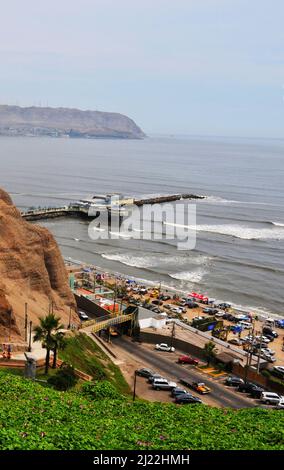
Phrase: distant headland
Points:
(66, 122)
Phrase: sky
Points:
(197, 67)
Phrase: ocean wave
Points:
(277, 224)
(237, 231)
(190, 276)
(152, 260)
(221, 200)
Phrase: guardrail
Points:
(112, 321)
(213, 339)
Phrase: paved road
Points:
(223, 396)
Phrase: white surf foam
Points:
(190, 276)
(237, 231)
(154, 260)
(278, 224)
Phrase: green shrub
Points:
(100, 390)
(64, 378)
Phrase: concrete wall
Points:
(259, 379)
(183, 346)
(90, 307)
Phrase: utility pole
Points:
(114, 296)
(173, 334)
(160, 287)
(134, 386)
(95, 279)
(10, 324)
(30, 339)
(259, 352)
(26, 322)
(250, 353)
(69, 324)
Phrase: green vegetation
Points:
(82, 353)
(48, 333)
(34, 417)
(209, 351)
(64, 378)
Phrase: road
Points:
(164, 362)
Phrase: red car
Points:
(187, 360)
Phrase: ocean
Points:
(239, 251)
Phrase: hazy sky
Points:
(174, 66)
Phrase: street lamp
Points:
(30, 339)
(69, 324)
(134, 386)
(26, 322)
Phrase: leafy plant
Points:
(64, 378)
(45, 332)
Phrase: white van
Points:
(245, 325)
(270, 398)
(163, 384)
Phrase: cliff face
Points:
(65, 122)
(31, 270)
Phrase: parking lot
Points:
(134, 356)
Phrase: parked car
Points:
(278, 371)
(152, 377)
(164, 347)
(267, 330)
(200, 387)
(83, 315)
(230, 317)
(191, 304)
(187, 398)
(268, 351)
(256, 391)
(219, 314)
(263, 339)
(157, 302)
(144, 373)
(236, 341)
(178, 391)
(188, 360)
(165, 297)
(270, 398)
(185, 381)
(249, 387)
(224, 305)
(168, 306)
(233, 381)
(176, 309)
(163, 384)
(268, 357)
(210, 311)
(245, 325)
(280, 405)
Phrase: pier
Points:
(91, 208)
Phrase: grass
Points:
(34, 417)
(84, 354)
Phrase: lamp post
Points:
(30, 339)
(10, 324)
(173, 334)
(69, 324)
(26, 322)
(134, 386)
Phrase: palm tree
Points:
(59, 343)
(45, 331)
(209, 351)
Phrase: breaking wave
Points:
(190, 276)
(237, 231)
(152, 260)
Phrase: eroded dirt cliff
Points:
(32, 271)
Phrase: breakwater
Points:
(169, 198)
(83, 211)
